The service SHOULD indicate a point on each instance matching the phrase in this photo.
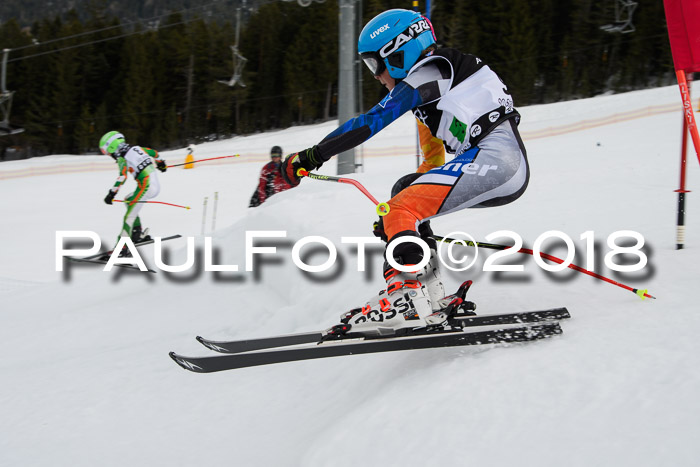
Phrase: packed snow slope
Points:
(87, 379)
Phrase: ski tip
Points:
(174, 356)
(211, 345)
(184, 363)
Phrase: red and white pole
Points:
(680, 223)
(689, 127)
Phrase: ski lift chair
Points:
(624, 9)
(6, 128)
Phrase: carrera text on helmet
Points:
(410, 33)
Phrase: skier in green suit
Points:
(138, 161)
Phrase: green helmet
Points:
(110, 142)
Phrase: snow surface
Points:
(86, 377)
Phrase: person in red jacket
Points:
(271, 180)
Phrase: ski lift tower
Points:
(346, 77)
(6, 128)
(347, 84)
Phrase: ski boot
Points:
(433, 282)
(138, 235)
(457, 306)
(125, 253)
(430, 277)
(443, 306)
(402, 306)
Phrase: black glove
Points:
(161, 166)
(308, 159)
(426, 233)
(378, 230)
(110, 196)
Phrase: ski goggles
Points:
(374, 62)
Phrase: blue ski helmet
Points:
(395, 40)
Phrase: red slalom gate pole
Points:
(202, 160)
(154, 202)
(688, 110)
(680, 215)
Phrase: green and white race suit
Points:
(138, 161)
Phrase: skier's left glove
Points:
(110, 196)
(160, 165)
(308, 159)
(378, 230)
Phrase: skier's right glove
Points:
(308, 159)
(110, 196)
(160, 165)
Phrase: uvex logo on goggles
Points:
(411, 32)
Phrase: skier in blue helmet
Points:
(462, 107)
(394, 41)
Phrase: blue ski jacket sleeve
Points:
(357, 130)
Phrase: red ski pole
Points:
(382, 208)
(642, 293)
(154, 202)
(202, 160)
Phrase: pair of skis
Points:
(460, 331)
(96, 258)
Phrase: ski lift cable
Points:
(109, 28)
(194, 107)
(121, 36)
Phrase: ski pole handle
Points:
(382, 208)
(154, 202)
(202, 160)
